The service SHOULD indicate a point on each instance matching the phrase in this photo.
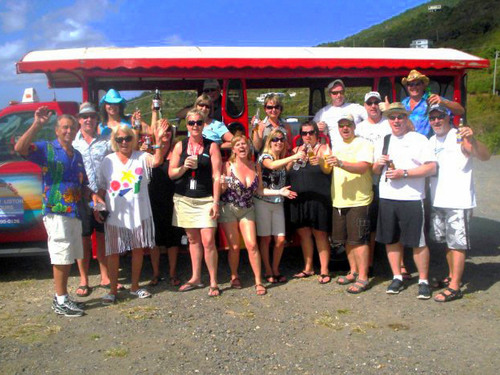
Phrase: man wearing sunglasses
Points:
(94, 147)
(64, 183)
(327, 117)
(403, 163)
(452, 194)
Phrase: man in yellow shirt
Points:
(352, 194)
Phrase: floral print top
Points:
(238, 194)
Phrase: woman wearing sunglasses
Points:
(240, 181)
(124, 178)
(311, 212)
(272, 121)
(269, 209)
(195, 166)
(212, 129)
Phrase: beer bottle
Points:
(460, 126)
(156, 100)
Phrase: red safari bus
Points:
(240, 69)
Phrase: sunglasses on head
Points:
(197, 123)
(339, 92)
(269, 107)
(206, 91)
(310, 132)
(86, 116)
(399, 117)
(204, 105)
(438, 117)
(412, 84)
(277, 139)
(374, 102)
(127, 139)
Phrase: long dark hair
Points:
(104, 115)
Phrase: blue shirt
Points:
(419, 115)
(214, 131)
(62, 178)
(92, 153)
(105, 130)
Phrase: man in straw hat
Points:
(404, 161)
(420, 98)
(452, 194)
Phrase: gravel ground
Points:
(300, 327)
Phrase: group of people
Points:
(356, 173)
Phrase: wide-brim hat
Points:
(87, 108)
(112, 97)
(396, 107)
(415, 75)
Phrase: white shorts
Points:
(270, 218)
(64, 238)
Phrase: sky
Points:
(28, 25)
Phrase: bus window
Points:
(234, 99)
(385, 88)
(13, 125)
(316, 100)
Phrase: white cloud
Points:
(14, 19)
(12, 50)
(176, 40)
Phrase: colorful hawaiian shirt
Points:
(63, 178)
(419, 115)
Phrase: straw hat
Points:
(415, 75)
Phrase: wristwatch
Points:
(405, 173)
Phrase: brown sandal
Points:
(260, 290)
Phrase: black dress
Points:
(161, 192)
(313, 205)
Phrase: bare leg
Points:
(137, 258)
(449, 260)
(264, 252)
(196, 254)
(279, 245)
(249, 234)
(323, 250)
(154, 254)
(421, 258)
(351, 257)
(361, 253)
(172, 261)
(61, 274)
(113, 266)
(83, 264)
(394, 255)
(101, 257)
(457, 258)
(211, 255)
(307, 245)
(233, 239)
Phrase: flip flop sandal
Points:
(190, 286)
(324, 279)
(260, 290)
(280, 278)
(108, 286)
(358, 287)
(454, 295)
(344, 280)
(303, 275)
(214, 291)
(86, 290)
(141, 293)
(236, 283)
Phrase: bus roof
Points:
(69, 67)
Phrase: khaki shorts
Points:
(270, 218)
(193, 212)
(64, 238)
(230, 213)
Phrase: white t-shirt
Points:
(407, 152)
(374, 133)
(453, 187)
(331, 115)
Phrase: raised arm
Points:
(472, 146)
(42, 116)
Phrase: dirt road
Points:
(300, 327)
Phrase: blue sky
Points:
(28, 25)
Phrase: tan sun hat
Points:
(415, 75)
(396, 107)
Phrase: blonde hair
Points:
(195, 112)
(128, 131)
(267, 146)
(235, 140)
(275, 99)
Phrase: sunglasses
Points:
(203, 105)
(127, 139)
(347, 125)
(412, 84)
(269, 107)
(340, 92)
(399, 117)
(310, 132)
(206, 91)
(197, 123)
(375, 102)
(278, 139)
(86, 116)
(438, 117)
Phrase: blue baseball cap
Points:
(112, 97)
(439, 108)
